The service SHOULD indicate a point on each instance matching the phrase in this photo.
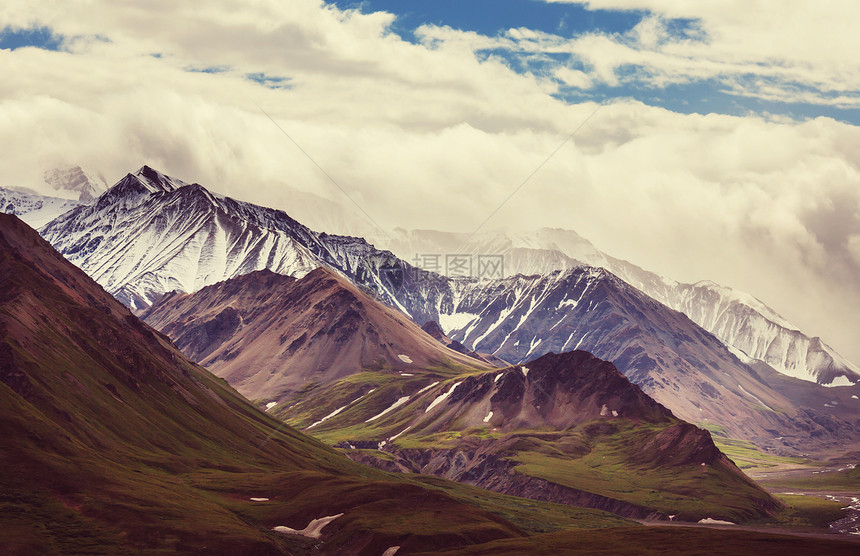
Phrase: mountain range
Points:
(742, 322)
(118, 441)
(151, 234)
(329, 359)
(115, 443)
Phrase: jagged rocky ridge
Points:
(736, 318)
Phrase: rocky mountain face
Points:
(435, 331)
(749, 326)
(114, 442)
(225, 238)
(737, 319)
(271, 335)
(151, 234)
(566, 428)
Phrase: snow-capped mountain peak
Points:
(150, 234)
(157, 182)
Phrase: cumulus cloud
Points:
(436, 134)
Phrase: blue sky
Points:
(490, 17)
(39, 37)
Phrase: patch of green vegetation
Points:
(449, 367)
(533, 516)
(657, 541)
(438, 440)
(346, 392)
(484, 433)
(806, 512)
(747, 455)
(690, 491)
(309, 387)
(390, 506)
(713, 428)
(824, 480)
(378, 454)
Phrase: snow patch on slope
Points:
(455, 321)
(313, 530)
(429, 386)
(442, 397)
(394, 406)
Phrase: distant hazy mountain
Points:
(69, 188)
(75, 182)
(743, 322)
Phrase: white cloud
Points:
(432, 135)
(801, 49)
